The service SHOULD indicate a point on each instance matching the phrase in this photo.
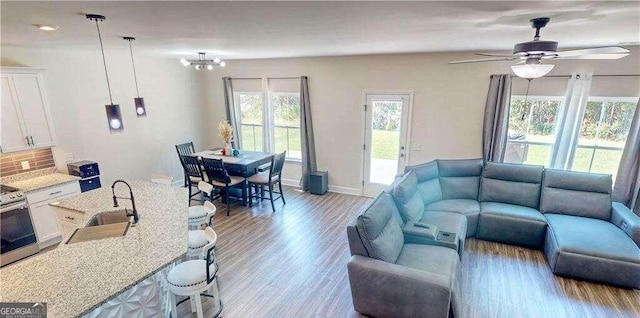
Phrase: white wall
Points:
(447, 111)
(77, 92)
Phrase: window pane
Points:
(603, 134)
(531, 129)
(286, 119)
(251, 112)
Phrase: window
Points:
(285, 130)
(603, 132)
(532, 129)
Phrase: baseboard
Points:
(177, 183)
(332, 188)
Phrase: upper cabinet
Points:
(24, 114)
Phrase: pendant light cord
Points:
(104, 61)
(135, 77)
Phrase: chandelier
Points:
(201, 63)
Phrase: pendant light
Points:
(141, 110)
(114, 116)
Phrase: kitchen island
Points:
(74, 279)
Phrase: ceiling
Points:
(239, 30)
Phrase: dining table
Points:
(243, 165)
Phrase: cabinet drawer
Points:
(53, 192)
(69, 216)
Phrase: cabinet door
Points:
(67, 229)
(34, 108)
(13, 132)
(45, 222)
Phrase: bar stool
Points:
(194, 277)
(198, 239)
(202, 214)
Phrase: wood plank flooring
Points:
(292, 263)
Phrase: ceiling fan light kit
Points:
(202, 63)
(533, 52)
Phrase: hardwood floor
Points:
(292, 263)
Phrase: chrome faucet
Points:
(134, 213)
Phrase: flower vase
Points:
(228, 150)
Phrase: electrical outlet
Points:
(416, 146)
(25, 165)
(68, 157)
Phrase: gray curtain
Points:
(306, 135)
(230, 108)
(627, 187)
(496, 118)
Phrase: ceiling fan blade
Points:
(497, 54)
(483, 60)
(593, 57)
(594, 51)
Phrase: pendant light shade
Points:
(114, 116)
(141, 110)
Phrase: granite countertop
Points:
(73, 279)
(42, 182)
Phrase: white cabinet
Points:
(44, 216)
(25, 115)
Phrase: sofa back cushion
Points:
(428, 181)
(511, 183)
(576, 193)
(379, 231)
(407, 198)
(460, 179)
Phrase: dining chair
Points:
(185, 149)
(261, 180)
(219, 178)
(193, 172)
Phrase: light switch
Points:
(25, 165)
(416, 146)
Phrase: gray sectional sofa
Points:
(405, 246)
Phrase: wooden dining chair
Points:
(220, 179)
(268, 179)
(185, 149)
(193, 173)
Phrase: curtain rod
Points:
(595, 75)
(259, 78)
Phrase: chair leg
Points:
(199, 306)
(172, 300)
(281, 193)
(250, 195)
(273, 207)
(244, 192)
(227, 190)
(190, 194)
(192, 302)
(261, 193)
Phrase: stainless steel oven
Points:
(16, 229)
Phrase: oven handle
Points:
(19, 205)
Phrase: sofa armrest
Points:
(383, 289)
(626, 220)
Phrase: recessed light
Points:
(45, 27)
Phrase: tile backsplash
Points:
(11, 163)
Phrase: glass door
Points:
(385, 137)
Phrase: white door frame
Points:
(363, 123)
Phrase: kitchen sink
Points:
(103, 225)
(109, 217)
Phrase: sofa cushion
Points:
(408, 200)
(576, 193)
(511, 183)
(512, 224)
(380, 233)
(428, 181)
(591, 249)
(468, 208)
(460, 179)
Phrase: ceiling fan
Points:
(530, 54)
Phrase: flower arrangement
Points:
(225, 131)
